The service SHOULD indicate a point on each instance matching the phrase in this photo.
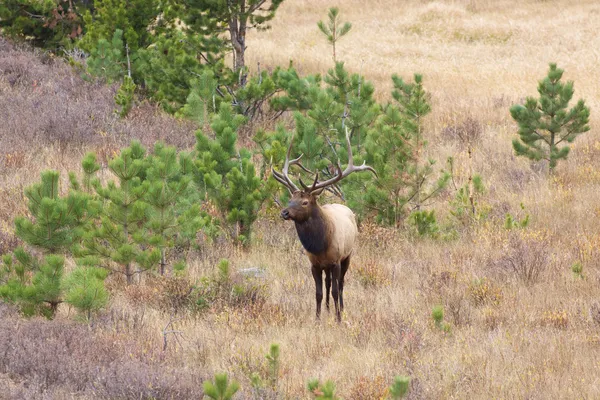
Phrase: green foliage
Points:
(107, 60)
(168, 178)
(45, 23)
(438, 318)
(273, 360)
(227, 175)
(84, 289)
(465, 207)
(333, 31)
(118, 239)
(511, 222)
(320, 391)
(547, 122)
(424, 223)
(124, 97)
(57, 224)
(202, 100)
(57, 221)
(221, 388)
(400, 387)
(133, 18)
(414, 106)
(171, 67)
(395, 147)
(212, 18)
(577, 269)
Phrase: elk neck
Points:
(314, 232)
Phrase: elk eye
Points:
(305, 203)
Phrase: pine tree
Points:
(172, 67)
(45, 23)
(221, 389)
(169, 181)
(133, 18)
(57, 224)
(227, 175)
(414, 106)
(84, 289)
(333, 31)
(547, 122)
(107, 59)
(118, 241)
(236, 17)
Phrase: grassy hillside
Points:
(522, 324)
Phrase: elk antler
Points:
(350, 168)
(329, 184)
(282, 177)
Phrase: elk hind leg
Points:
(327, 286)
(344, 268)
(335, 279)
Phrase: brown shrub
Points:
(527, 255)
(52, 355)
(42, 103)
(369, 388)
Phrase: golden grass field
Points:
(509, 339)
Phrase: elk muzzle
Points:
(285, 214)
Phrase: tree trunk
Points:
(237, 31)
(163, 262)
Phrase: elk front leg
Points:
(335, 280)
(318, 276)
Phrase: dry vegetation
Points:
(522, 325)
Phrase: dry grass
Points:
(522, 326)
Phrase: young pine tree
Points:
(332, 30)
(414, 107)
(57, 224)
(546, 125)
(227, 175)
(169, 177)
(119, 241)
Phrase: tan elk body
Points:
(327, 233)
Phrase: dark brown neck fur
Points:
(314, 233)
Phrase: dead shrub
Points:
(372, 274)
(466, 133)
(365, 388)
(8, 242)
(555, 318)
(53, 355)
(595, 313)
(526, 255)
(484, 292)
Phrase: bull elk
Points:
(327, 233)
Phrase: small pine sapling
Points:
(106, 60)
(168, 177)
(57, 224)
(414, 106)
(546, 123)
(84, 289)
(399, 388)
(118, 241)
(320, 391)
(228, 176)
(577, 269)
(273, 360)
(438, 318)
(221, 388)
(332, 30)
(125, 96)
